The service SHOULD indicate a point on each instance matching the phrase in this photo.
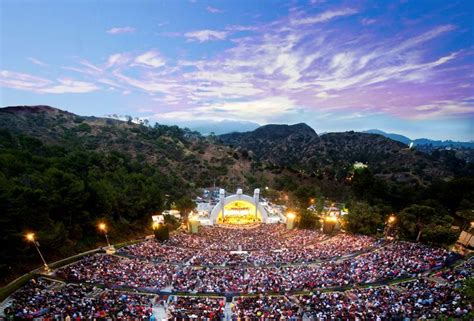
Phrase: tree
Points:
(304, 195)
(185, 205)
(309, 220)
(465, 214)
(416, 220)
(440, 235)
(468, 290)
(363, 218)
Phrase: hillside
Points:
(232, 159)
(171, 149)
(332, 155)
(461, 150)
(61, 173)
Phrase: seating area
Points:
(180, 308)
(302, 246)
(344, 276)
(40, 299)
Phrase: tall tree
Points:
(363, 218)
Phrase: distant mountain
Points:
(280, 144)
(397, 137)
(205, 127)
(236, 159)
(332, 155)
(422, 141)
(182, 153)
(219, 127)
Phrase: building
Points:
(237, 208)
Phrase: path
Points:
(228, 311)
(159, 313)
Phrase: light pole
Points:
(390, 222)
(331, 221)
(103, 228)
(31, 238)
(290, 220)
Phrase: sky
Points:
(399, 66)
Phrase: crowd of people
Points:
(265, 308)
(304, 249)
(459, 274)
(271, 268)
(262, 237)
(419, 299)
(197, 308)
(117, 272)
(392, 261)
(41, 299)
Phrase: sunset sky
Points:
(399, 66)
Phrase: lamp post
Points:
(103, 228)
(290, 221)
(31, 238)
(390, 222)
(193, 225)
(332, 221)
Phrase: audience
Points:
(266, 261)
(303, 249)
(265, 308)
(41, 299)
(182, 308)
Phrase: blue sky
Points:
(399, 66)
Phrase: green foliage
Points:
(468, 290)
(440, 235)
(309, 220)
(421, 222)
(304, 194)
(61, 193)
(185, 205)
(84, 128)
(172, 222)
(363, 218)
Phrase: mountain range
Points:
(422, 141)
(257, 157)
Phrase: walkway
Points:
(159, 313)
(228, 311)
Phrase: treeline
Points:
(424, 214)
(61, 194)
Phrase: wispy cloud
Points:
(116, 59)
(268, 109)
(121, 30)
(150, 59)
(24, 81)
(445, 108)
(325, 16)
(37, 61)
(205, 35)
(299, 62)
(213, 10)
(368, 21)
(70, 86)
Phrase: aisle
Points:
(227, 311)
(159, 313)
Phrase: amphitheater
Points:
(253, 272)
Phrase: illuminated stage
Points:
(240, 209)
